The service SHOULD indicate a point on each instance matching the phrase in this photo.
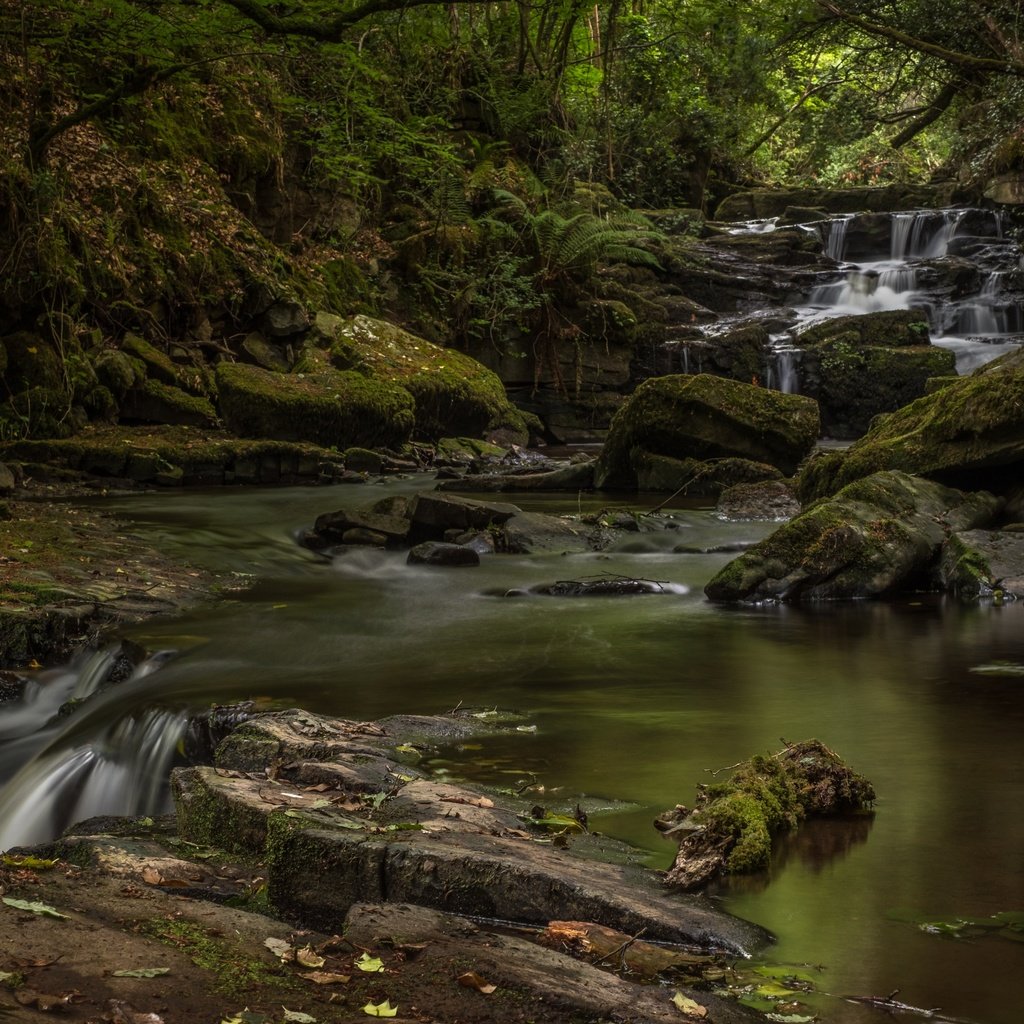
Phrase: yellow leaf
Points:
(384, 1009)
(473, 980)
(372, 964)
(688, 1006)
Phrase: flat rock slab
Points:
(982, 562)
(545, 980)
(317, 874)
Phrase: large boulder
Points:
(703, 417)
(860, 366)
(876, 537)
(773, 202)
(331, 408)
(454, 394)
(970, 434)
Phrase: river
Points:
(634, 700)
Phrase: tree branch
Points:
(955, 57)
(329, 30)
(935, 110)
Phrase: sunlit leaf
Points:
(30, 863)
(297, 1016)
(143, 972)
(688, 1006)
(33, 908)
(384, 1009)
(371, 964)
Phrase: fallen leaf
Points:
(280, 948)
(384, 1009)
(689, 1006)
(297, 1016)
(479, 802)
(308, 957)
(143, 972)
(372, 964)
(326, 978)
(43, 1001)
(473, 980)
(34, 908)
(151, 876)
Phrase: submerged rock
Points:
(988, 563)
(703, 418)
(769, 499)
(434, 552)
(877, 536)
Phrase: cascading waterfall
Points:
(110, 756)
(835, 238)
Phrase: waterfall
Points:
(781, 371)
(835, 238)
(111, 755)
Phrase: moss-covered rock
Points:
(877, 536)
(31, 362)
(889, 328)
(158, 365)
(157, 402)
(969, 434)
(117, 370)
(703, 417)
(697, 478)
(730, 830)
(454, 394)
(333, 408)
(984, 563)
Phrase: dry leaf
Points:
(151, 876)
(325, 978)
(478, 802)
(473, 980)
(281, 949)
(308, 957)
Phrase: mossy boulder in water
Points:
(730, 830)
(454, 394)
(860, 366)
(969, 435)
(877, 536)
(333, 408)
(702, 418)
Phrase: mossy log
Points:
(731, 828)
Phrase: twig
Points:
(620, 949)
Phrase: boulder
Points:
(157, 402)
(435, 552)
(984, 563)
(454, 394)
(579, 477)
(877, 536)
(331, 408)
(695, 478)
(759, 203)
(769, 499)
(703, 417)
(969, 434)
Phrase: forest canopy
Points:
(650, 97)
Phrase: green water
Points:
(635, 699)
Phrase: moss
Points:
(237, 974)
(32, 362)
(346, 290)
(770, 794)
(454, 394)
(332, 408)
(968, 434)
(156, 402)
(157, 364)
(703, 417)
(117, 370)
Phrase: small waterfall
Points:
(835, 238)
(781, 372)
(755, 227)
(111, 755)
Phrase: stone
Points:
(703, 417)
(264, 353)
(454, 394)
(433, 513)
(332, 526)
(331, 408)
(157, 402)
(875, 537)
(433, 552)
(695, 478)
(984, 563)
(284, 318)
(769, 499)
(969, 434)
(7, 480)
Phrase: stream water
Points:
(633, 701)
